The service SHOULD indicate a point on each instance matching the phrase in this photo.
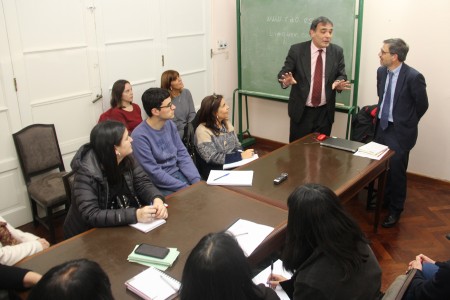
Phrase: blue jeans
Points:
(178, 175)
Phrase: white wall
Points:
(422, 24)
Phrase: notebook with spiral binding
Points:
(153, 284)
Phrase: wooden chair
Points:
(43, 168)
(68, 185)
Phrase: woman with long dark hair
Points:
(122, 107)
(326, 250)
(110, 188)
(217, 269)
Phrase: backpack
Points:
(363, 124)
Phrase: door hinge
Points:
(162, 60)
(15, 84)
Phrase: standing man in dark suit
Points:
(311, 106)
(402, 102)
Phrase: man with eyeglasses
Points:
(402, 102)
(158, 146)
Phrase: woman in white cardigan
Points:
(16, 244)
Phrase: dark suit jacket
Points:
(298, 61)
(410, 103)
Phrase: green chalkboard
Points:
(267, 29)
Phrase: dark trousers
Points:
(312, 120)
(395, 192)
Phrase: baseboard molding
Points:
(267, 142)
(431, 180)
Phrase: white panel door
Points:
(14, 204)
(186, 28)
(140, 39)
(54, 61)
(128, 39)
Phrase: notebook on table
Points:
(146, 227)
(342, 144)
(153, 284)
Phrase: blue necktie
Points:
(386, 105)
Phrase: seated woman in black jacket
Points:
(326, 250)
(110, 188)
(218, 269)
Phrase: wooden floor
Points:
(422, 227)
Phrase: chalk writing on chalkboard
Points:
(267, 30)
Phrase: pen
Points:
(271, 273)
(271, 269)
(170, 284)
(239, 234)
(221, 176)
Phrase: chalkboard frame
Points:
(356, 49)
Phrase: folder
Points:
(160, 263)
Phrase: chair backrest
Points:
(68, 186)
(38, 150)
(397, 289)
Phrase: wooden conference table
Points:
(193, 212)
(307, 162)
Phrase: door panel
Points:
(128, 39)
(14, 204)
(187, 46)
(56, 71)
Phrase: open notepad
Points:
(153, 284)
(237, 178)
(146, 227)
(249, 234)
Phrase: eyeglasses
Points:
(168, 105)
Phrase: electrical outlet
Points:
(221, 44)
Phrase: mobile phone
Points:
(153, 251)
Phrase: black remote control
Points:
(281, 178)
